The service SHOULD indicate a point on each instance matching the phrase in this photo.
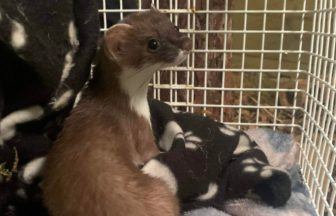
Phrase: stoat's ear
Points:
(115, 39)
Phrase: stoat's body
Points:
(93, 167)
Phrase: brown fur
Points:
(92, 169)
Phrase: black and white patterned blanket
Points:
(197, 131)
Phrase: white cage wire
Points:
(258, 63)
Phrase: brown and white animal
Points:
(92, 169)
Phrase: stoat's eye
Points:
(177, 28)
(153, 44)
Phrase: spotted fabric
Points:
(213, 162)
(46, 50)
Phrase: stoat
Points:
(93, 168)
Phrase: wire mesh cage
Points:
(257, 63)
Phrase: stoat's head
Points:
(146, 39)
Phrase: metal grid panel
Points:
(318, 135)
(275, 66)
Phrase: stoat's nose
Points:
(186, 44)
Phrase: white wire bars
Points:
(257, 63)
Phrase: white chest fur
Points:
(139, 104)
(135, 84)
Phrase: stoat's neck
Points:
(134, 82)
(123, 87)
